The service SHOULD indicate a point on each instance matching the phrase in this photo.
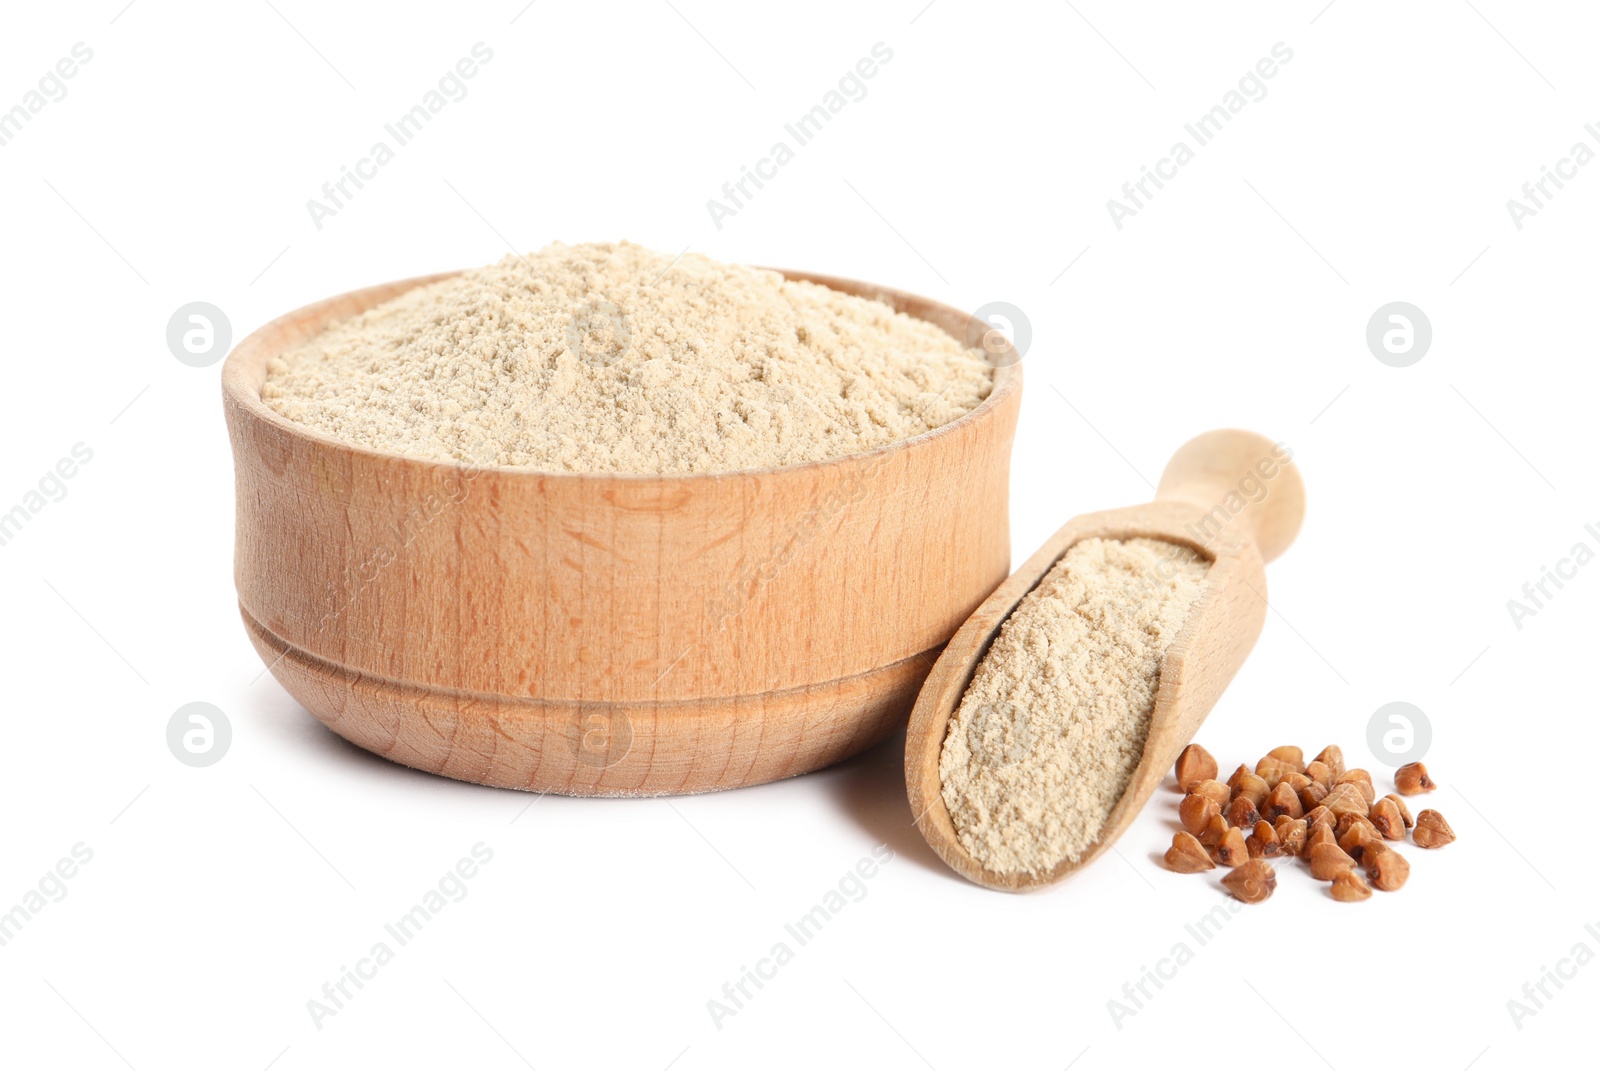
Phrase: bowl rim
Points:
(236, 389)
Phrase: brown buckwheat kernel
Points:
(1195, 811)
(1232, 850)
(1282, 801)
(1187, 855)
(1332, 758)
(1274, 771)
(1292, 755)
(1347, 821)
(1248, 785)
(1263, 843)
(1242, 814)
(1327, 860)
(1213, 790)
(1292, 834)
(1355, 840)
(1195, 764)
(1413, 778)
(1405, 812)
(1320, 773)
(1216, 828)
(1346, 799)
(1349, 886)
(1252, 882)
(1432, 830)
(1362, 780)
(1386, 819)
(1312, 795)
(1235, 777)
(1387, 869)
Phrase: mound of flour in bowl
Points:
(616, 358)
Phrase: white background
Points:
(220, 900)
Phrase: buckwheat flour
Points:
(615, 358)
(1054, 722)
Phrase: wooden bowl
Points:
(610, 634)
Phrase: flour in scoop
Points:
(616, 358)
(1053, 725)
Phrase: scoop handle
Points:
(1241, 485)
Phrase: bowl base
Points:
(582, 748)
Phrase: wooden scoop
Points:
(1235, 497)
